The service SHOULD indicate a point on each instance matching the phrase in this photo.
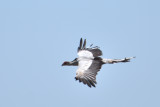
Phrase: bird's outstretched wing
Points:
(87, 71)
(94, 50)
(88, 64)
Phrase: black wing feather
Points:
(89, 76)
(80, 44)
(94, 50)
(84, 44)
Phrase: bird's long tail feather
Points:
(112, 61)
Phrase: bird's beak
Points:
(62, 65)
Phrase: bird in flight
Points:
(89, 63)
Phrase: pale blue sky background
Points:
(36, 36)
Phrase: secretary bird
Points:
(89, 63)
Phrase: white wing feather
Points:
(85, 54)
(84, 64)
(85, 59)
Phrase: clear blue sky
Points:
(36, 36)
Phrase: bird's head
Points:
(66, 63)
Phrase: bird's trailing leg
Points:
(112, 61)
